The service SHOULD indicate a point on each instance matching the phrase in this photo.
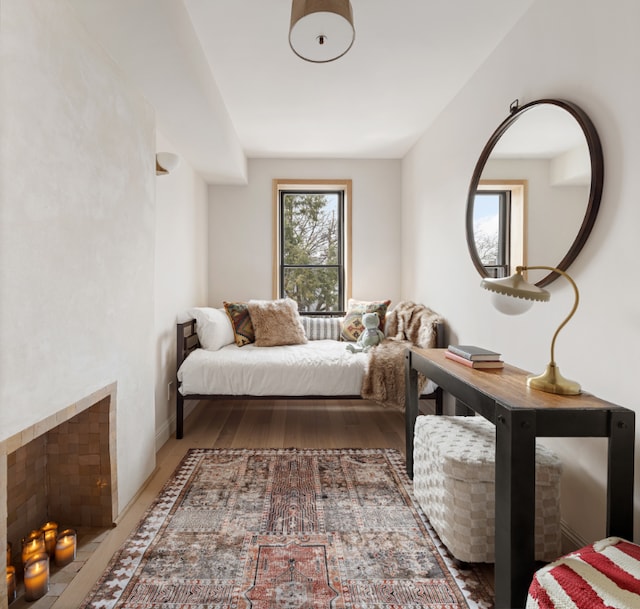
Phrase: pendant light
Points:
(321, 30)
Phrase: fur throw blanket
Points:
(409, 324)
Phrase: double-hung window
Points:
(312, 252)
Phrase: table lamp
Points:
(523, 294)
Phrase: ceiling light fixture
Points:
(321, 30)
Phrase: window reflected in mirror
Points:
(499, 225)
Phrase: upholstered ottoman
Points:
(454, 483)
(603, 574)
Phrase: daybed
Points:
(318, 367)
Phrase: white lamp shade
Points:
(321, 30)
(166, 162)
(509, 305)
(514, 295)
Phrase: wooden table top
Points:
(509, 385)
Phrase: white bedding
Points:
(319, 367)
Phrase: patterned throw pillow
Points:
(352, 325)
(238, 313)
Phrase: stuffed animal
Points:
(370, 337)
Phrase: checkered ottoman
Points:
(454, 483)
(604, 574)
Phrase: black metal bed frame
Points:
(187, 342)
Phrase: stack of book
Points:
(474, 357)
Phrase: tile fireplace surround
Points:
(62, 469)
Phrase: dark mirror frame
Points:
(595, 192)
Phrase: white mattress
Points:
(319, 367)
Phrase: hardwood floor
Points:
(295, 423)
(246, 424)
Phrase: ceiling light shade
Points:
(166, 162)
(517, 287)
(321, 30)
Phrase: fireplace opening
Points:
(63, 470)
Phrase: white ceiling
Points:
(226, 86)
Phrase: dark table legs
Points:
(515, 506)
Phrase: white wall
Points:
(241, 227)
(180, 272)
(583, 51)
(77, 231)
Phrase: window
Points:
(312, 257)
(491, 230)
(499, 226)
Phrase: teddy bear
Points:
(370, 337)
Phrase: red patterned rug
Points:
(286, 529)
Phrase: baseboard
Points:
(164, 433)
(168, 428)
(571, 541)
(143, 486)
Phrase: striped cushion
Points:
(603, 575)
(322, 328)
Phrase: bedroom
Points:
(93, 300)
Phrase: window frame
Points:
(518, 217)
(503, 254)
(315, 187)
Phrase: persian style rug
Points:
(287, 529)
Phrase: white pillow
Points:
(213, 327)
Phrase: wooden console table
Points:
(521, 415)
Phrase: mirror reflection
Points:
(533, 191)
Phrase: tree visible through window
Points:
(491, 230)
(312, 249)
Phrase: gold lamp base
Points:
(552, 381)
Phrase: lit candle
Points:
(36, 576)
(50, 534)
(11, 583)
(33, 544)
(66, 547)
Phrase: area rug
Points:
(286, 529)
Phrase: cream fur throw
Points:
(409, 324)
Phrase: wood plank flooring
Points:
(249, 424)
(295, 424)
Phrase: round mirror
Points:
(535, 192)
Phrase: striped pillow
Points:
(322, 328)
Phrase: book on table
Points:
(473, 353)
(479, 364)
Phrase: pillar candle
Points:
(33, 544)
(11, 583)
(50, 534)
(36, 576)
(65, 548)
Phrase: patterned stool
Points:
(454, 484)
(604, 574)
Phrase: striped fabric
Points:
(604, 575)
(322, 328)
